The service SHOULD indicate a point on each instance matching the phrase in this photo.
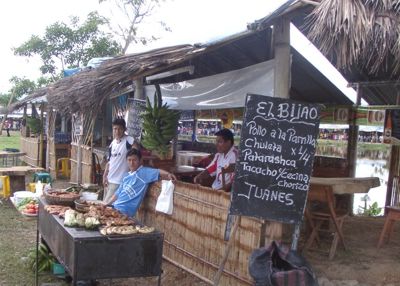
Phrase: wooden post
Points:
(63, 124)
(79, 161)
(139, 89)
(281, 37)
(104, 125)
(353, 136)
(41, 138)
(49, 112)
(281, 44)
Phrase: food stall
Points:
(90, 251)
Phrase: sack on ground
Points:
(277, 265)
(165, 201)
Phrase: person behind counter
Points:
(224, 159)
(117, 165)
(131, 191)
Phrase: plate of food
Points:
(30, 214)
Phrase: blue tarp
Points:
(69, 72)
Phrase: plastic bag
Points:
(165, 201)
(277, 265)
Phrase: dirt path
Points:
(362, 264)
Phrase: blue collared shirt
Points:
(133, 189)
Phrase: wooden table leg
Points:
(384, 230)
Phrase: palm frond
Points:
(363, 33)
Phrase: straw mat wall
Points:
(30, 145)
(194, 233)
(86, 163)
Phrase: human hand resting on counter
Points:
(167, 176)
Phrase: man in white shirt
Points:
(117, 166)
(224, 160)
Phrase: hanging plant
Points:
(159, 125)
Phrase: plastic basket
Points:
(58, 269)
(53, 199)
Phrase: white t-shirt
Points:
(222, 161)
(118, 166)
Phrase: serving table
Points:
(17, 176)
(188, 158)
(344, 186)
(88, 255)
(186, 172)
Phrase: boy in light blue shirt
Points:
(132, 190)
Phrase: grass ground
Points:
(10, 142)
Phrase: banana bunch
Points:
(159, 125)
(45, 260)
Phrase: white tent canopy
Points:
(225, 90)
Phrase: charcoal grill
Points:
(88, 255)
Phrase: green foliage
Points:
(45, 259)
(159, 125)
(371, 210)
(20, 87)
(70, 45)
(34, 124)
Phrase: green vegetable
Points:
(73, 189)
(80, 219)
(21, 205)
(70, 218)
(45, 258)
(91, 222)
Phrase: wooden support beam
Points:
(353, 136)
(282, 57)
(139, 89)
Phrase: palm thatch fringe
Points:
(88, 89)
(363, 33)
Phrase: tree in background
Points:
(134, 13)
(70, 46)
(20, 87)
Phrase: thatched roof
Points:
(362, 33)
(30, 98)
(89, 88)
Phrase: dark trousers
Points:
(8, 132)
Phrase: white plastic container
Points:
(19, 196)
(39, 188)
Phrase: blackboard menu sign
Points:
(134, 122)
(277, 147)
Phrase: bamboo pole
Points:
(227, 251)
(41, 139)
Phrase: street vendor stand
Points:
(88, 255)
(17, 176)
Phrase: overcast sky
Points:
(191, 21)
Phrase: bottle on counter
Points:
(39, 188)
